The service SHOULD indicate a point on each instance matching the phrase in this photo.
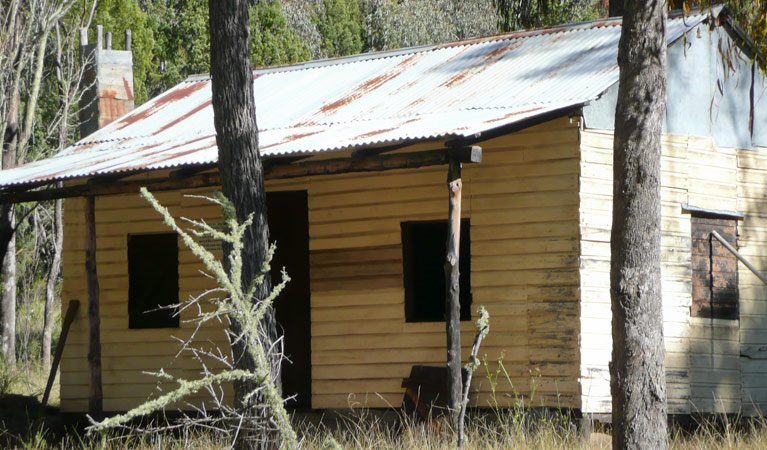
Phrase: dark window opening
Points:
(152, 280)
(424, 247)
(714, 268)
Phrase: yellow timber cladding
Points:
(704, 367)
(522, 201)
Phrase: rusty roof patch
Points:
(184, 116)
(291, 138)
(367, 86)
(179, 92)
(374, 133)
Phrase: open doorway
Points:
(288, 213)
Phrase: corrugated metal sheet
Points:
(449, 90)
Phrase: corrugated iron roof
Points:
(448, 90)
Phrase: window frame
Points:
(414, 314)
(715, 279)
(142, 315)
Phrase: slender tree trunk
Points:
(15, 140)
(637, 373)
(64, 81)
(242, 175)
(9, 300)
(50, 286)
(7, 228)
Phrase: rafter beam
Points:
(377, 163)
(373, 151)
(470, 154)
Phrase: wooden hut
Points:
(355, 151)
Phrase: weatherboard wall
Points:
(752, 241)
(523, 205)
(126, 353)
(704, 367)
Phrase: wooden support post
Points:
(452, 297)
(95, 394)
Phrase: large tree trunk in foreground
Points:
(242, 175)
(637, 374)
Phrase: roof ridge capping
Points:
(713, 11)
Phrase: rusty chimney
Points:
(108, 81)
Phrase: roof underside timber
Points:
(456, 91)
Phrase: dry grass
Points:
(745, 435)
(509, 429)
(28, 379)
(363, 431)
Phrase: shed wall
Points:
(126, 353)
(523, 205)
(752, 199)
(704, 367)
(710, 82)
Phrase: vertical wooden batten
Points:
(452, 279)
(95, 393)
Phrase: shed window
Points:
(423, 249)
(715, 270)
(152, 280)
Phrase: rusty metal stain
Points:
(515, 113)
(432, 92)
(175, 94)
(128, 91)
(170, 148)
(369, 85)
(485, 63)
(108, 93)
(184, 116)
(291, 138)
(374, 133)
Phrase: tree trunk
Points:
(637, 369)
(9, 299)
(8, 244)
(50, 287)
(242, 174)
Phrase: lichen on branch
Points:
(236, 304)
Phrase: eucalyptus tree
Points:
(25, 32)
(637, 370)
